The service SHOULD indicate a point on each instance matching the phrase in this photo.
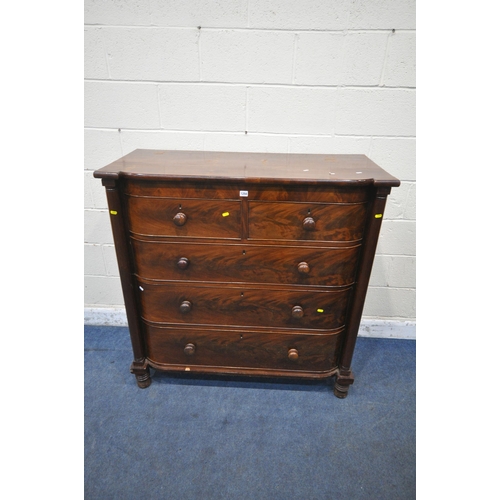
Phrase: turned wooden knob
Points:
(309, 224)
(297, 312)
(183, 263)
(189, 349)
(185, 306)
(293, 354)
(180, 219)
(303, 267)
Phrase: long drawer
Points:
(191, 347)
(195, 304)
(235, 263)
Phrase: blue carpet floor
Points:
(188, 437)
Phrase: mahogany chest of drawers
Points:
(245, 263)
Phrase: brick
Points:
(202, 107)
(395, 328)
(319, 58)
(117, 12)
(352, 145)
(375, 112)
(400, 70)
(164, 139)
(390, 303)
(93, 260)
(88, 200)
(97, 227)
(363, 57)
(95, 195)
(396, 155)
(103, 291)
(396, 202)
(295, 14)
(382, 14)
(204, 13)
(164, 54)
(247, 56)
(311, 144)
(394, 270)
(95, 65)
(121, 105)
(98, 194)
(382, 264)
(258, 143)
(329, 145)
(101, 147)
(397, 237)
(411, 203)
(110, 262)
(291, 110)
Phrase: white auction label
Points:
(243, 193)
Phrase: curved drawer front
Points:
(231, 189)
(306, 221)
(191, 347)
(193, 218)
(245, 263)
(243, 306)
(207, 189)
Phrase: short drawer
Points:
(193, 218)
(235, 263)
(194, 304)
(306, 221)
(243, 349)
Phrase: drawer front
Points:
(191, 347)
(210, 189)
(193, 218)
(245, 263)
(207, 189)
(243, 306)
(306, 221)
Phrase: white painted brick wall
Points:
(320, 76)
(373, 111)
(121, 105)
(291, 110)
(202, 107)
(159, 54)
(319, 58)
(247, 56)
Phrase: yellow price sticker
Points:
(225, 214)
(320, 310)
(113, 212)
(378, 216)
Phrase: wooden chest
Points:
(245, 263)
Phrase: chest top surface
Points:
(248, 167)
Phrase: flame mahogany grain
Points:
(245, 263)
(231, 350)
(250, 263)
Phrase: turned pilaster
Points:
(129, 288)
